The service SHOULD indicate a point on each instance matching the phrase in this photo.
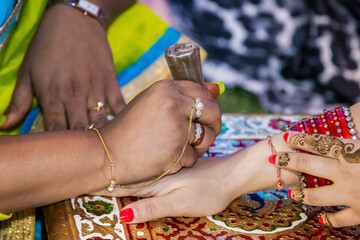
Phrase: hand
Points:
(187, 193)
(191, 191)
(148, 135)
(335, 159)
(69, 67)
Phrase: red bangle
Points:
(325, 124)
(343, 122)
(301, 127)
(307, 126)
(313, 125)
(337, 124)
(319, 124)
(295, 127)
(330, 121)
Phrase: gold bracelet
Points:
(113, 184)
(111, 187)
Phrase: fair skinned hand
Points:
(148, 135)
(69, 68)
(201, 190)
(332, 158)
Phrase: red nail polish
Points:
(272, 158)
(321, 220)
(127, 215)
(289, 192)
(286, 136)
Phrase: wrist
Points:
(253, 172)
(75, 14)
(112, 8)
(96, 153)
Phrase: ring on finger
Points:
(98, 107)
(199, 106)
(199, 134)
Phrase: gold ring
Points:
(98, 107)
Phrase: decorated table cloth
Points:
(264, 215)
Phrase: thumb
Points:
(20, 103)
(344, 218)
(151, 208)
(216, 88)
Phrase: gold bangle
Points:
(111, 187)
(113, 184)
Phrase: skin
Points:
(210, 185)
(39, 169)
(335, 159)
(191, 191)
(68, 78)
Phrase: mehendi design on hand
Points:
(328, 145)
(327, 221)
(298, 194)
(284, 158)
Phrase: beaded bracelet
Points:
(337, 122)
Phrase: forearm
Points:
(40, 169)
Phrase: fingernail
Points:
(289, 192)
(221, 86)
(2, 120)
(286, 136)
(127, 215)
(272, 159)
(321, 220)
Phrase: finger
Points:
(307, 163)
(206, 139)
(210, 115)
(76, 112)
(189, 158)
(329, 146)
(97, 117)
(53, 112)
(214, 88)
(156, 207)
(321, 196)
(194, 90)
(344, 218)
(115, 98)
(20, 103)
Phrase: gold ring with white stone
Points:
(199, 106)
(98, 107)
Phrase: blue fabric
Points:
(170, 37)
(29, 120)
(6, 8)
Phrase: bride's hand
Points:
(198, 191)
(148, 135)
(336, 159)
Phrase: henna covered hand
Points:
(333, 158)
